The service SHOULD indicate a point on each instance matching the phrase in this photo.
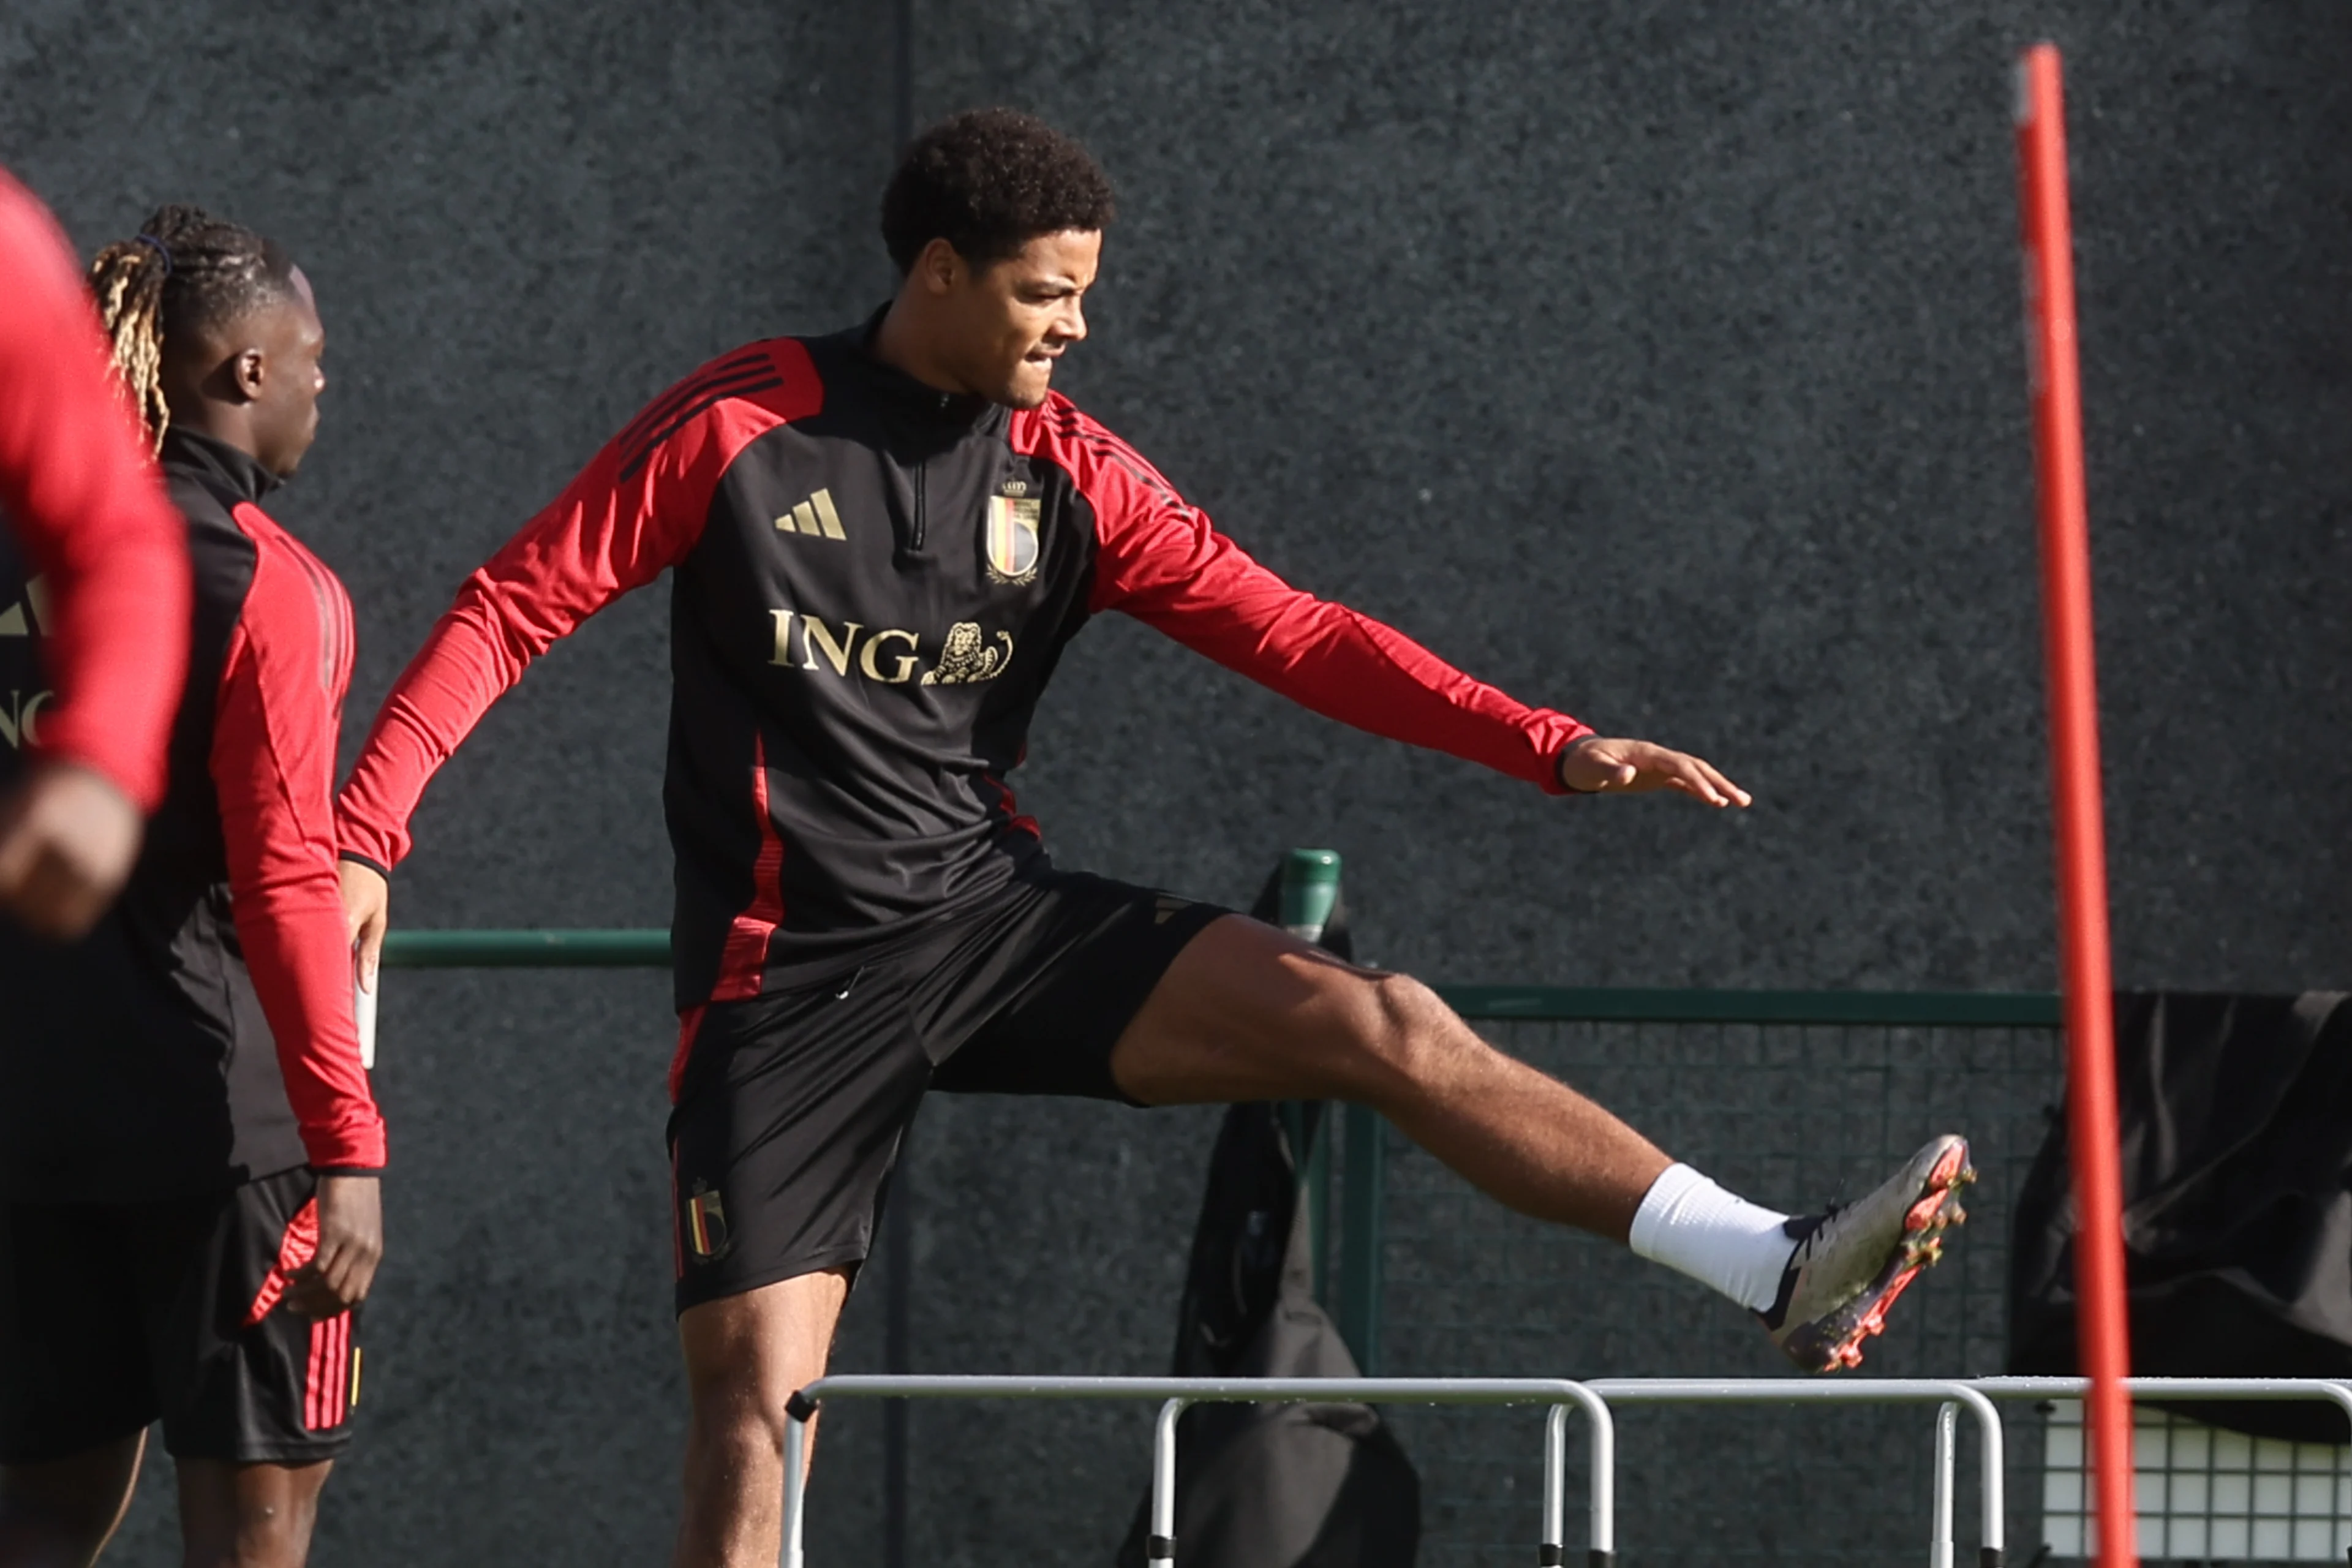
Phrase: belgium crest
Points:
(705, 1225)
(1010, 539)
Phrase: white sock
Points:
(1719, 1239)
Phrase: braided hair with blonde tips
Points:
(185, 271)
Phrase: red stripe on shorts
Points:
(326, 1393)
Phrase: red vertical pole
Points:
(2102, 1325)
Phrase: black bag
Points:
(2236, 1117)
(1275, 1486)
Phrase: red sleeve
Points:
(273, 765)
(78, 487)
(1160, 562)
(637, 508)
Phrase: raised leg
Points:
(1248, 1012)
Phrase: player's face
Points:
(285, 404)
(1018, 315)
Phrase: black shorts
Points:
(792, 1105)
(115, 1315)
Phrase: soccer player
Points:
(109, 592)
(188, 1146)
(880, 542)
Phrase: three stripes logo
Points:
(331, 1383)
(330, 1379)
(744, 373)
(30, 615)
(814, 517)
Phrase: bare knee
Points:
(741, 1421)
(1405, 1039)
(747, 1358)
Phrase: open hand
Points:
(1598, 765)
(351, 1244)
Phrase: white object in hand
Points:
(364, 1014)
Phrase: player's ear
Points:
(940, 268)
(245, 371)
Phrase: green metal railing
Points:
(594, 948)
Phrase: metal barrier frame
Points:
(1944, 1392)
(1359, 1275)
(2318, 1390)
(1177, 1392)
(1596, 1397)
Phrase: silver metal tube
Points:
(1939, 1540)
(2321, 1390)
(1603, 1526)
(1859, 1391)
(796, 1485)
(1179, 1392)
(1553, 1543)
(1162, 1548)
(1208, 1390)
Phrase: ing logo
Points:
(20, 718)
(890, 654)
(20, 713)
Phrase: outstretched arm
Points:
(1161, 561)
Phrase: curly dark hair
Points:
(988, 182)
(185, 272)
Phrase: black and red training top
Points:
(108, 591)
(203, 1034)
(873, 581)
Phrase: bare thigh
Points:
(1248, 1012)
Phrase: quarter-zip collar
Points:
(224, 469)
(927, 409)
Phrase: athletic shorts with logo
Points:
(116, 1315)
(792, 1105)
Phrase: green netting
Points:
(1794, 1114)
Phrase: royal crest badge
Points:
(705, 1225)
(1011, 538)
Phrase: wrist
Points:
(1560, 761)
(356, 858)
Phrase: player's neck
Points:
(905, 343)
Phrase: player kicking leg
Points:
(792, 1107)
(188, 1147)
(880, 540)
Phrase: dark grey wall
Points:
(1657, 361)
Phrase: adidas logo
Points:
(814, 517)
(29, 617)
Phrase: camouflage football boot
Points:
(1850, 1263)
